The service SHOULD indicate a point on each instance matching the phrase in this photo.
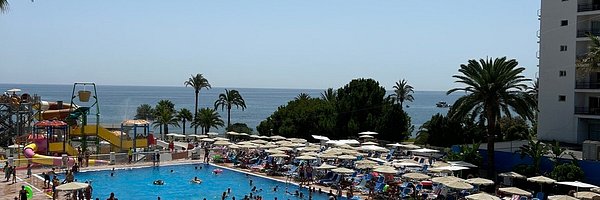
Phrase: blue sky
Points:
(261, 43)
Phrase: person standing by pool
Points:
(28, 170)
(130, 154)
(23, 193)
(206, 154)
(87, 158)
(88, 191)
(14, 174)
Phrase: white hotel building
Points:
(569, 101)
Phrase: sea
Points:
(119, 103)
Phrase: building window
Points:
(564, 22)
(563, 47)
(562, 73)
(562, 98)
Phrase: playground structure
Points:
(63, 128)
(15, 115)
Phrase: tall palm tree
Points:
(184, 115)
(165, 116)
(145, 112)
(207, 118)
(402, 92)
(197, 82)
(227, 100)
(3, 6)
(492, 87)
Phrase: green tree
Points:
(536, 150)
(197, 82)
(145, 112)
(240, 128)
(513, 128)
(402, 92)
(184, 115)
(300, 118)
(227, 100)
(165, 116)
(207, 118)
(590, 62)
(493, 87)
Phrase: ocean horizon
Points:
(118, 102)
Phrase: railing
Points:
(587, 85)
(587, 7)
(587, 111)
(586, 32)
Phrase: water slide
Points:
(58, 147)
(53, 110)
(29, 152)
(110, 137)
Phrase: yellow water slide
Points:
(110, 137)
(29, 152)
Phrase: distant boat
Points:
(442, 104)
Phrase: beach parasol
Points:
(222, 143)
(370, 162)
(221, 139)
(254, 136)
(586, 195)
(365, 136)
(277, 137)
(480, 181)
(247, 146)
(368, 133)
(514, 190)
(232, 133)
(212, 133)
(268, 146)
(279, 156)
(416, 176)
(385, 170)
(305, 158)
(462, 164)
(259, 141)
(449, 168)
(446, 179)
(459, 185)
(541, 179)
(274, 151)
(72, 186)
(310, 149)
(512, 175)
(313, 154)
(406, 164)
(207, 140)
(284, 148)
(234, 146)
(561, 197)
(325, 166)
(364, 166)
(369, 143)
(373, 148)
(202, 136)
(342, 170)
(577, 184)
(597, 190)
(243, 134)
(482, 196)
(425, 150)
(346, 157)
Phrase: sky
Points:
(307, 44)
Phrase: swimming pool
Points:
(137, 183)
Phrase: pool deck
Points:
(8, 190)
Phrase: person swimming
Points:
(196, 180)
(172, 171)
(158, 182)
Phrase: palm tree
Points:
(165, 117)
(229, 99)
(329, 95)
(402, 92)
(492, 87)
(536, 150)
(145, 112)
(184, 115)
(302, 96)
(3, 6)
(207, 118)
(591, 61)
(197, 82)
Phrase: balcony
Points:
(587, 85)
(587, 111)
(586, 32)
(587, 7)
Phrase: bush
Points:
(567, 172)
(240, 128)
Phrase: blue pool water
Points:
(137, 184)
